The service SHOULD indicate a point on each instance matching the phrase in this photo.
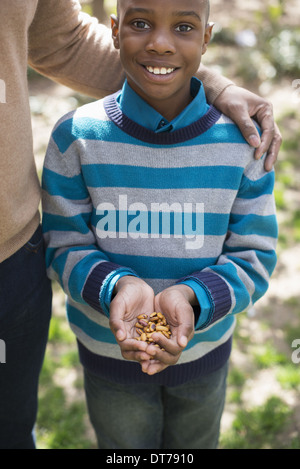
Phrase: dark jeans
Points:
(157, 417)
(25, 311)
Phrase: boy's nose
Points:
(161, 43)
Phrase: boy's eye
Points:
(183, 28)
(141, 24)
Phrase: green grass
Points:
(258, 427)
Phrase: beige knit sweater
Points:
(58, 40)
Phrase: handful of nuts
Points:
(147, 325)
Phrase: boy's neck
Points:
(169, 108)
(137, 109)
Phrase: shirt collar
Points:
(134, 107)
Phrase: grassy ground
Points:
(263, 404)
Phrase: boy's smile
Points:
(161, 43)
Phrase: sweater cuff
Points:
(213, 296)
(93, 285)
(108, 285)
(203, 312)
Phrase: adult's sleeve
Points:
(73, 49)
(213, 82)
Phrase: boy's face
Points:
(161, 43)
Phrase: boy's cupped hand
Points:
(175, 304)
(133, 297)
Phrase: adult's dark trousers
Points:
(25, 311)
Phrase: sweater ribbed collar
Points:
(180, 135)
(138, 110)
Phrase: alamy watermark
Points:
(296, 353)
(296, 93)
(157, 220)
(2, 92)
(2, 351)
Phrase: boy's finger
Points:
(139, 356)
(116, 322)
(152, 367)
(185, 331)
(170, 353)
(118, 329)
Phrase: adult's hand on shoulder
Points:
(241, 105)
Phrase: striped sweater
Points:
(189, 205)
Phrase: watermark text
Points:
(2, 92)
(2, 351)
(157, 220)
(296, 86)
(296, 353)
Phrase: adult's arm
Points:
(241, 106)
(73, 49)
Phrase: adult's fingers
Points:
(241, 106)
(264, 116)
(273, 150)
(247, 127)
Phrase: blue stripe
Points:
(267, 258)
(161, 267)
(254, 224)
(78, 223)
(207, 177)
(72, 188)
(93, 129)
(91, 328)
(261, 284)
(58, 264)
(252, 189)
(214, 333)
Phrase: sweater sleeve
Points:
(241, 275)
(72, 48)
(73, 257)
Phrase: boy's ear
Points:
(114, 22)
(207, 36)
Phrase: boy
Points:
(153, 202)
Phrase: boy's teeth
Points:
(160, 71)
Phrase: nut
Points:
(146, 326)
(162, 328)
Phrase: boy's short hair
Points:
(207, 8)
